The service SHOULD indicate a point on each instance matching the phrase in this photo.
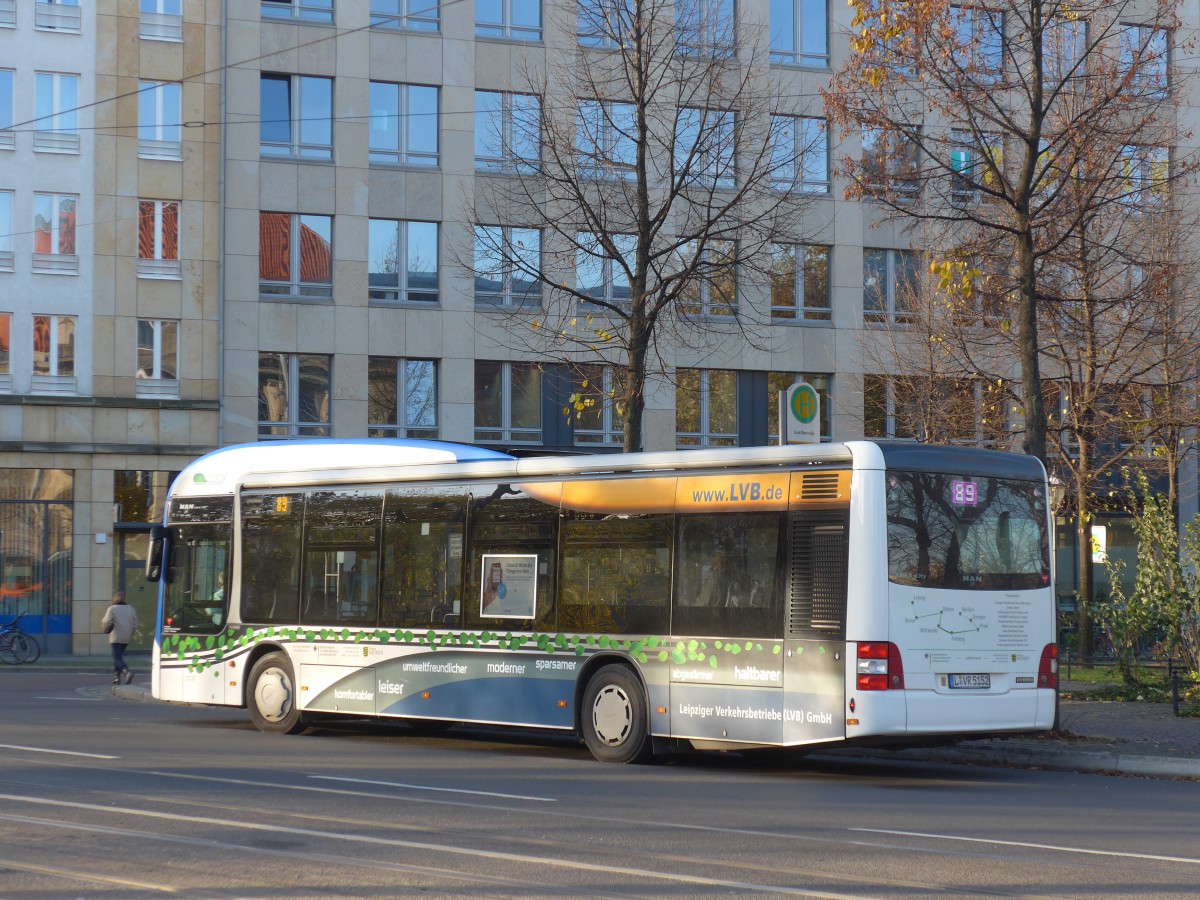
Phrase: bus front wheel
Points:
(271, 696)
(614, 717)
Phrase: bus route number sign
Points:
(964, 493)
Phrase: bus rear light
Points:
(879, 667)
(1048, 667)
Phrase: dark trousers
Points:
(118, 652)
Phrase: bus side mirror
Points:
(159, 541)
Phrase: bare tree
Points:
(973, 119)
(635, 198)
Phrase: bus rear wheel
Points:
(271, 696)
(614, 718)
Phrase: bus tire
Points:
(614, 720)
(271, 696)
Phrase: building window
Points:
(161, 20)
(781, 381)
(979, 33)
(1145, 52)
(606, 139)
(295, 255)
(293, 395)
(1064, 49)
(604, 23)
(54, 346)
(304, 10)
(54, 234)
(296, 116)
(402, 261)
(158, 239)
(56, 128)
(507, 132)
(508, 402)
(1146, 171)
(8, 13)
(412, 15)
(57, 15)
(890, 162)
(706, 408)
(936, 410)
(6, 231)
(712, 289)
(8, 138)
(975, 167)
(507, 263)
(800, 282)
(800, 154)
(891, 282)
(157, 358)
(6, 351)
(404, 124)
(596, 418)
(705, 143)
(516, 20)
(706, 26)
(600, 275)
(800, 33)
(414, 380)
(160, 112)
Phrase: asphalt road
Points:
(102, 797)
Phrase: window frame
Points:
(795, 32)
(506, 431)
(610, 430)
(800, 309)
(506, 26)
(714, 21)
(405, 290)
(696, 162)
(307, 11)
(164, 22)
(157, 339)
(8, 137)
(160, 264)
(884, 169)
(506, 251)
(705, 435)
(404, 153)
(513, 124)
(974, 27)
(54, 364)
(155, 140)
(56, 261)
(891, 313)
(805, 165)
(7, 211)
(604, 146)
(56, 131)
(296, 147)
(1133, 38)
(403, 382)
(589, 255)
(402, 18)
(293, 425)
(708, 302)
(295, 287)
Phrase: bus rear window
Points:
(966, 532)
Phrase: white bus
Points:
(732, 599)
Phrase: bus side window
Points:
(421, 574)
(341, 557)
(271, 557)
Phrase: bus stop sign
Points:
(800, 414)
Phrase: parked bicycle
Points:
(16, 646)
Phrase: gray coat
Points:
(124, 620)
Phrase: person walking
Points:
(119, 623)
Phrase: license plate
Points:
(971, 682)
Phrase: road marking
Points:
(85, 877)
(58, 752)
(422, 787)
(80, 699)
(1032, 846)
(577, 865)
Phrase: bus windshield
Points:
(966, 532)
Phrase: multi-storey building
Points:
(253, 220)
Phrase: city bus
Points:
(732, 599)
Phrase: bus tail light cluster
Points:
(879, 667)
(1048, 667)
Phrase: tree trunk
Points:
(1027, 337)
(1086, 594)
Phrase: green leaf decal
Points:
(776, 650)
(712, 661)
(652, 643)
(692, 645)
(735, 649)
(678, 657)
(662, 655)
(820, 649)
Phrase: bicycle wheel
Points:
(7, 653)
(34, 649)
(22, 647)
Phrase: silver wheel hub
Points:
(273, 695)
(612, 715)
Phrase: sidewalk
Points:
(1141, 739)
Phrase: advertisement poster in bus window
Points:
(509, 585)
